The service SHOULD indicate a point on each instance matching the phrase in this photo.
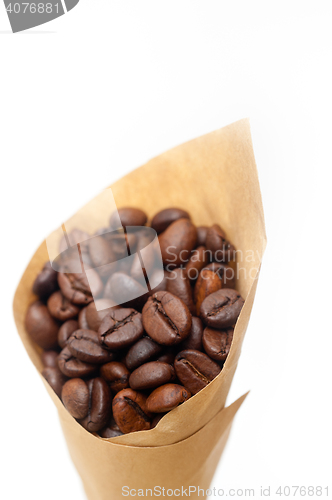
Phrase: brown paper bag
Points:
(214, 177)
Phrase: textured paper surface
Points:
(214, 177)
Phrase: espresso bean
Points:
(116, 375)
(73, 367)
(198, 259)
(129, 216)
(194, 339)
(96, 312)
(130, 412)
(60, 307)
(84, 345)
(168, 355)
(55, 378)
(100, 402)
(217, 343)
(208, 282)
(222, 308)
(46, 282)
(50, 359)
(112, 430)
(225, 273)
(82, 321)
(124, 289)
(201, 235)
(166, 318)
(195, 370)
(40, 325)
(166, 398)
(75, 397)
(76, 287)
(148, 262)
(179, 285)
(121, 328)
(158, 276)
(166, 217)
(151, 375)
(65, 331)
(177, 242)
(143, 351)
(121, 243)
(100, 251)
(222, 250)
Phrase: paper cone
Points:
(215, 179)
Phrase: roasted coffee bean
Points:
(222, 250)
(222, 308)
(82, 321)
(55, 379)
(129, 216)
(100, 403)
(217, 343)
(201, 235)
(148, 256)
(76, 287)
(73, 367)
(208, 282)
(195, 370)
(75, 397)
(166, 398)
(178, 284)
(177, 242)
(225, 273)
(120, 287)
(50, 359)
(40, 325)
(166, 217)
(168, 355)
(194, 339)
(46, 282)
(100, 251)
(121, 243)
(151, 375)
(166, 318)
(96, 312)
(84, 345)
(65, 331)
(156, 419)
(161, 277)
(130, 412)
(121, 328)
(112, 430)
(143, 351)
(198, 259)
(60, 307)
(116, 375)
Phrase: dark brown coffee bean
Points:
(166, 217)
(222, 250)
(75, 397)
(166, 398)
(179, 285)
(84, 345)
(46, 282)
(158, 276)
(116, 375)
(156, 419)
(217, 343)
(121, 328)
(148, 257)
(82, 321)
(129, 216)
(168, 355)
(143, 351)
(65, 331)
(100, 251)
(50, 359)
(194, 339)
(112, 430)
(198, 259)
(201, 235)
(177, 242)
(40, 325)
(121, 243)
(130, 412)
(225, 273)
(55, 379)
(96, 312)
(166, 318)
(121, 288)
(195, 370)
(208, 282)
(60, 307)
(73, 367)
(76, 287)
(100, 403)
(151, 375)
(222, 308)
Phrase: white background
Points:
(94, 94)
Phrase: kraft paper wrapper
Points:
(214, 178)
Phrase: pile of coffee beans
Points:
(119, 367)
